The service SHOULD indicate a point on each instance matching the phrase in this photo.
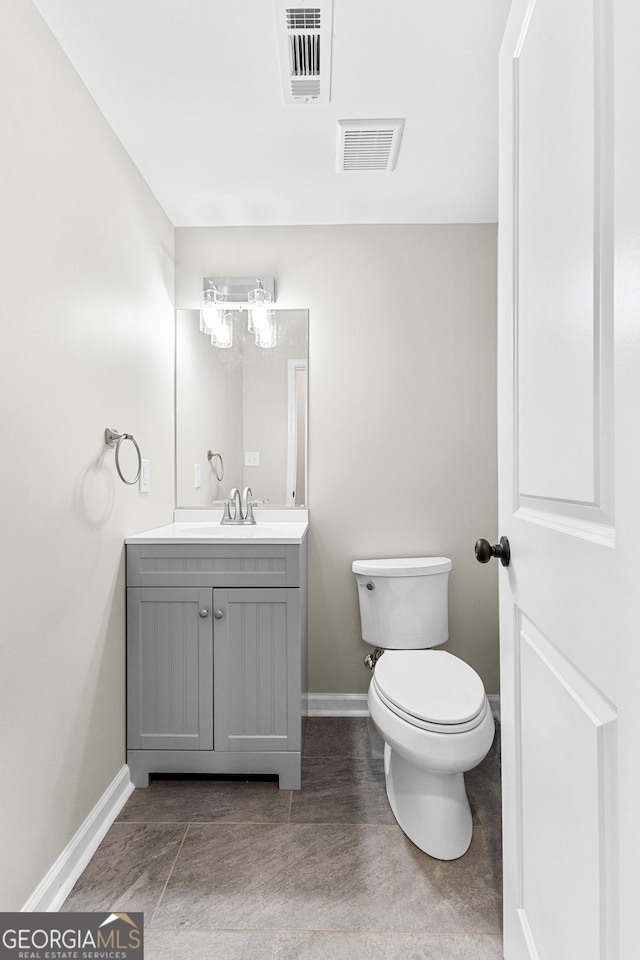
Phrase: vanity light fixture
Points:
(222, 295)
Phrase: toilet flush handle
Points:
(369, 585)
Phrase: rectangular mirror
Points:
(241, 412)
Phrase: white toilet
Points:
(430, 707)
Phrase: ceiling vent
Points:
(304, 44)
(368, 145)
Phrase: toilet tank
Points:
(404, 602)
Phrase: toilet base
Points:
(431, 808)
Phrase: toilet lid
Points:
(430, 685)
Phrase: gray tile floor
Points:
(239, 870)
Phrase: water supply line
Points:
(372, 658)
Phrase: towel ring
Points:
(217, 464)
(114, 439)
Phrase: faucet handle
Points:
(250, 505)
(226, 516)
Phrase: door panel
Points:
(562, 202)
(566, 790)
(568, 498)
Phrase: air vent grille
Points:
(367, 149)
(304, 55)
(301, 19)
(305, 89)
(368, 144)
(304, 50)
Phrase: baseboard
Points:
(335, 705)
(59, 881)
(355, 704)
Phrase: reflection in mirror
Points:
(246, 403)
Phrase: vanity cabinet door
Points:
(256, 677)
(169, 667)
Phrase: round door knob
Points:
(484, 551)
(218, 614)
(204, 613)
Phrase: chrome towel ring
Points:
(217, 464)
(113, 439)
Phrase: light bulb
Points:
(208, 314)
(222, 333)
(259, 318)
(266, 335)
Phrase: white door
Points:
(569, 449)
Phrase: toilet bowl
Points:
(429, 706)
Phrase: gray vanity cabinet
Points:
(216, 657)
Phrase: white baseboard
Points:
(59, 881)
(355, 704)
(335, 705)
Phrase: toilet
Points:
(430, 707)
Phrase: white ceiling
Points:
(192, 89)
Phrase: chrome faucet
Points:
(238, 508)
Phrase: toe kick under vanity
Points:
(217, 648)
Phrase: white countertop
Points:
(212, 531)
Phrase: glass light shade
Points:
(209, 306)
(259, 303)
(222, 335)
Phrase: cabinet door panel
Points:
(169, 669)
(256, 669)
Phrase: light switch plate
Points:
(145, 477)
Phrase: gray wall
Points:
(86, 342)
(402, 411)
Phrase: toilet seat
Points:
(429, 725)
(431, 689)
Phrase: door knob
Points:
(203, 613)
(218, 614)
(502, 550)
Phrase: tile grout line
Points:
(268, 823)
(393, 878)
(435, 935)
(175, 859)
